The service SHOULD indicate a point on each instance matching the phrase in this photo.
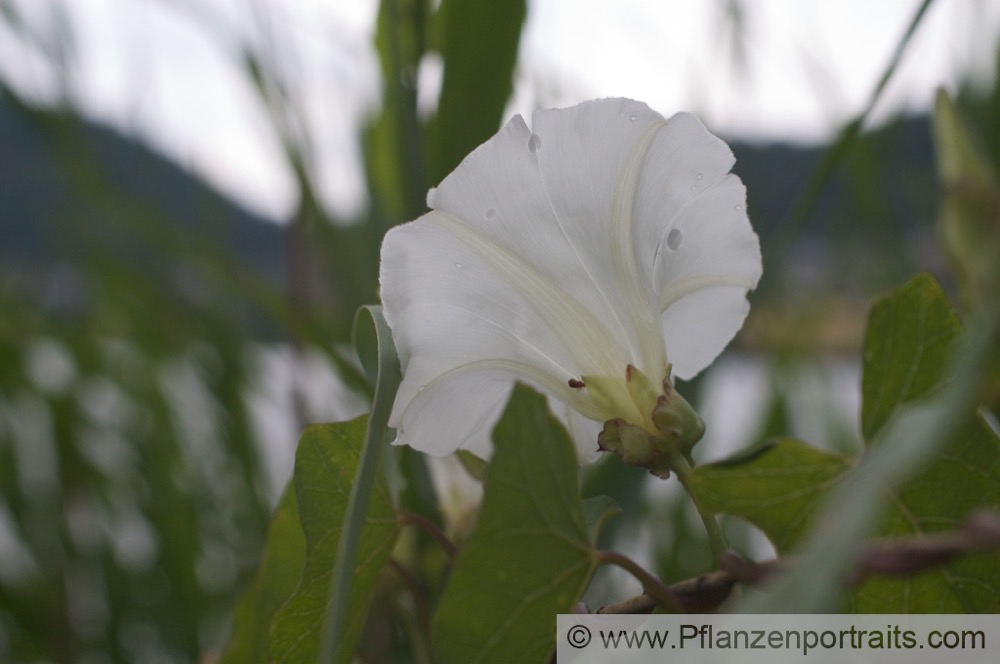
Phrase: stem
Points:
(639, 604)
(418, 623)
(680, 465)
(412, 519)
(892, 557)
(650, 584)
(780, 240)
(376, 437)
(421, 608)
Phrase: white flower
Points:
(605, 237)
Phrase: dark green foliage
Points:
(325, 467)
(479, 43)
(781, 487)
(909, 344)
(276, 580)
(497, 608)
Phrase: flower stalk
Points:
(683, 468)
(657, 431)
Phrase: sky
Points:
(169, 72)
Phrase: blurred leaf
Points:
(780, 487)
(530, 556)
(964, 477)
(926, 468)
(479, 42)
(397, 171)
(598, 511)
(778, 245)
(626, 485)
(776, 420)
(776, 486)
(326, 464)
(473, 465)
(970, 216)
(908, 345)
(419, 494)
(276, 579)
(911, 340)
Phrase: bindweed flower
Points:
(595, 256)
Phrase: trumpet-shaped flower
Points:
(587, 256)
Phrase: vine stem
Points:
(682, 467)
(413, 519)
(650, 584)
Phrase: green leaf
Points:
(625, 485)
(964, 477)
(473, 465)
(930, 462)
(911, 338)
(529, 557)
(908, 346)
(478, 41)
(781, 487)
(275, 581)
(326, 465)
(397, 168)
(777, 487)
(598, 510)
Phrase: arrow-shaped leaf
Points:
(530, 556)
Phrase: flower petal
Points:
(498, 274)
(590, 162)
(452, 414)
(698, 326)
(693, 234)
(559, 253)
(457, 323)
(582, 430)
(554, 192)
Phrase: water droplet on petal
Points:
(490, 213)
(458, 265)
(694, 187)
(674, 239)
(633, 118)
(698, 177)
(739, 208)
(534, 143)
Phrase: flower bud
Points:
(654, 427)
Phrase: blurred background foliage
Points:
(158, 341)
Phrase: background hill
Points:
(70, 188)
